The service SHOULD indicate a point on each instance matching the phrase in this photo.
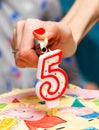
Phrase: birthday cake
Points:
(23, 110)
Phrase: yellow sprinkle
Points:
(45, 88)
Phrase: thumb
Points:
(41, 33)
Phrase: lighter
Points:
(40, 46)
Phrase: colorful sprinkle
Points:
(15, 16)
(45, 88)
(0, 4)
(48, 61)
(0, 53)
(45, 70)
(62, 82)
(42, 102)
(58, 92)
(68, 59)
(44, 4)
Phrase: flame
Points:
(46, 41)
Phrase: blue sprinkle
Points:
(14, 69)
(0, 4)
(15, 16)
(44, 4)
(42, 102)
(63, 97)
(35, 82)
(45, 70)
(9, 85)
(0, 53)
(69, 59)
(58, 92)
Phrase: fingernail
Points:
(40, 31)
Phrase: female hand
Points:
(59, 37)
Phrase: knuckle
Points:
(29, 21)
(49, 24)
(20, 60)
(18, 23)
(28, 25)
(23, 54)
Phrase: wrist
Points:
(82, 17)
(68, 45)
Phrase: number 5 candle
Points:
(52, 80)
